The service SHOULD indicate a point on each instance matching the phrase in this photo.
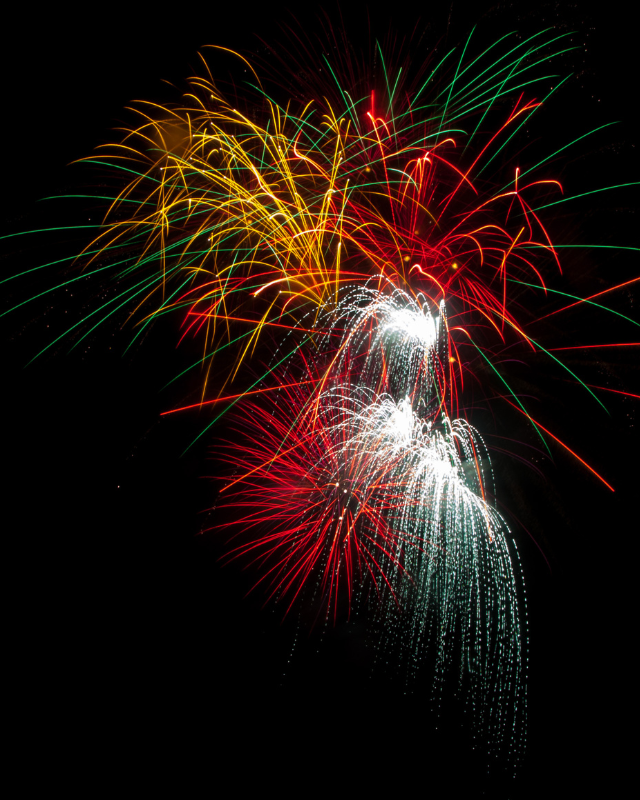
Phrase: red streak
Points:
(236, 396)
(577, 303)
(617, 391)
(581, 460)
(589, 346)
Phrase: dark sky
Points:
(122, 620)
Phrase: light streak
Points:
(595, 346)
(384, 502)
(351, 228)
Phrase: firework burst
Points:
(349, 265)
(342, 491)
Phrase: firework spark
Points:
(343, 492)
(348, 267)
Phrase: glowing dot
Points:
(406, 258)
(454, 265)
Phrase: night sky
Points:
(127, 635)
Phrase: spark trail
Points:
(349, 266)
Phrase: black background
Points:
(126, 636)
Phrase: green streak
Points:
(455, 77)
(124, 169)
(436, 68)
(542, 439)
(95, 197)
(565, 367)
(59, 286)
(201, 361)
(349, 103)
(574, 297)
(46, 230)
(584, 135)
(584, 194)
(84, 319)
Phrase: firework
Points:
(349, 267)
(344, 493)
(240, 226)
